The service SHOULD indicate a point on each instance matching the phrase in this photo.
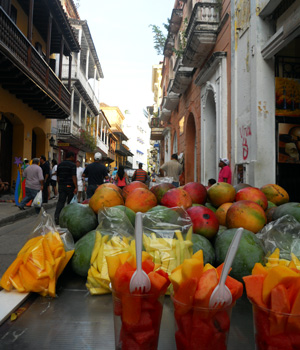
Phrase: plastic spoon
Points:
(221, 296)
(139, 280)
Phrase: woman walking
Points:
(121, 177)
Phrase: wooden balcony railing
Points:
(15, 47)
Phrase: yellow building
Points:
(31, 93)
(116, 118)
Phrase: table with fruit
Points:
(187, 232)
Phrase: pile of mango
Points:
(38, 265)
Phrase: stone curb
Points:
(23, 214)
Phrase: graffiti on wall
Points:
(245, 133)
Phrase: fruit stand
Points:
(77, 320)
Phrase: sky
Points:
(125, 47)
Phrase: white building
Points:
(138, 132)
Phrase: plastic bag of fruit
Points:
(114, 235)
(283, 233)
(41, 260)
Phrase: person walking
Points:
(96, 174)
(34, 182)
(172, 168)
(67, 183)
(225, 172)
(121, 177)
(44, 164)
(53, 179)
(140, 174)
(113, 175)
(79, 172)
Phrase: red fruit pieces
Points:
(186, 291)
(221, 321)
(159, 283)
(122, 278)
(145, 337)
(206, 285)
(144, 323)
(131, 310)
(148, 265)
(280, 300)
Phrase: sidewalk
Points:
(9, 212)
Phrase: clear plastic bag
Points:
(283, 233)
(74, 199)
(41, 260)
(38, 200)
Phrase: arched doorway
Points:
(209, 139)
(190, 150)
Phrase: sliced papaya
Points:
(207, 283)
(12, 270)
(254, 287)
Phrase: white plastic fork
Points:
(139, 280)
(221, 295)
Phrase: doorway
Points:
(190, 156)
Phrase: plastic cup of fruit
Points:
(275, 330)
(137, 320)
(201, 328)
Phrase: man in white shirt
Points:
(79, 172)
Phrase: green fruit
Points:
(82, 254)
(210, 206)
(271, 205)
(200, 242)
(291, 208)
(250, 251)
(129, 212)
(78, 219)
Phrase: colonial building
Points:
(32, 35)
(86, 129)
(116, 120)
(196, 87)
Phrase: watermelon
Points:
(79, 219)
(202, 243)
(82, 255)
(250, 251)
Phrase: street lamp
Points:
(52, 141)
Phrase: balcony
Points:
(169, 45)
(68, 133)
(155, 122)
(82, 85)
(102, 146)
(128, 164)
(25, 74)
(165, 115)
(201, 33)
(182, 79)
(170, 101)
(122, 151)
(175, 21)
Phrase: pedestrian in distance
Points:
(113, 175)
(225, 172)
(172, 168)
(67, 183)
(140, 174)
(44, 164)
(79, 172)
(34, 182)
(121, 177)
(53, 179)
(96, 174)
